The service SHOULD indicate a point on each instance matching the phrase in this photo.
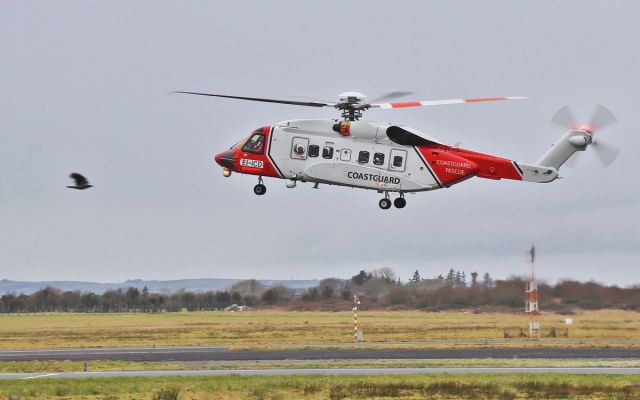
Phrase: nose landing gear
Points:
(260, 188)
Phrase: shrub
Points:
(171, 393)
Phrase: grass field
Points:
(258, 329)
(504, 387)
(76, 366)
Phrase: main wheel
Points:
(400, 202)
(259, 189)
(385, 204)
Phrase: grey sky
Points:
(83, 88)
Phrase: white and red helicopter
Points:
(389, 158)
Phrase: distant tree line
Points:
(380, 288)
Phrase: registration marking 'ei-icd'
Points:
(251, 163)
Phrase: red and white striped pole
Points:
(532, 298)
(355, 317)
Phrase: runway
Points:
(217, 353)
(323, 371)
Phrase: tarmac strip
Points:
(217, 353)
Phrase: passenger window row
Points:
(327, 151)
(378, 158)
(363, 156)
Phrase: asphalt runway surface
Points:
(323, 371)
(149, 354)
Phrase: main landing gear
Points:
(260, 188)
(400, 202)
(385, 203)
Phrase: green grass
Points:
(469, 386)
(71, 366)
(281, 328)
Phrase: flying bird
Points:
(81, 182)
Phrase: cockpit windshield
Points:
(255, 143)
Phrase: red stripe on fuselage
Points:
(490, 167)
(449, 168)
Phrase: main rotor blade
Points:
(605, 152)
(264, 100)
(390, 96)
(442, 102)
(601, 118)
(314, 99)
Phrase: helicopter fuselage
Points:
(367, 155)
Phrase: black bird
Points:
(81, 182)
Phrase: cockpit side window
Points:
(255, 144)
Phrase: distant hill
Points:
(198, 285)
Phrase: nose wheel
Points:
(260, 188)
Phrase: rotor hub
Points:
(351, 104)
(351, 97)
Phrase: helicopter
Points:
(390, 158)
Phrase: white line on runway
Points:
(40, 376)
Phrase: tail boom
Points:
(492, 167)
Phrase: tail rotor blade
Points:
(606, 153)
(601, 118)
(564, 118)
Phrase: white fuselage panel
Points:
(312, 151)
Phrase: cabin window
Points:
(327, 152)
(378, 159)
(398, 160)
(363, 157)
(255, 144)
(345, 155)
(314, 150)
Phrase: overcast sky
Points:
(83, 88)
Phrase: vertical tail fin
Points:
(572, 141)
(579, 137)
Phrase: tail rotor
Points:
(601, 118)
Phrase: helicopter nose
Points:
(225, 159)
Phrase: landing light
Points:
(226, 172)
